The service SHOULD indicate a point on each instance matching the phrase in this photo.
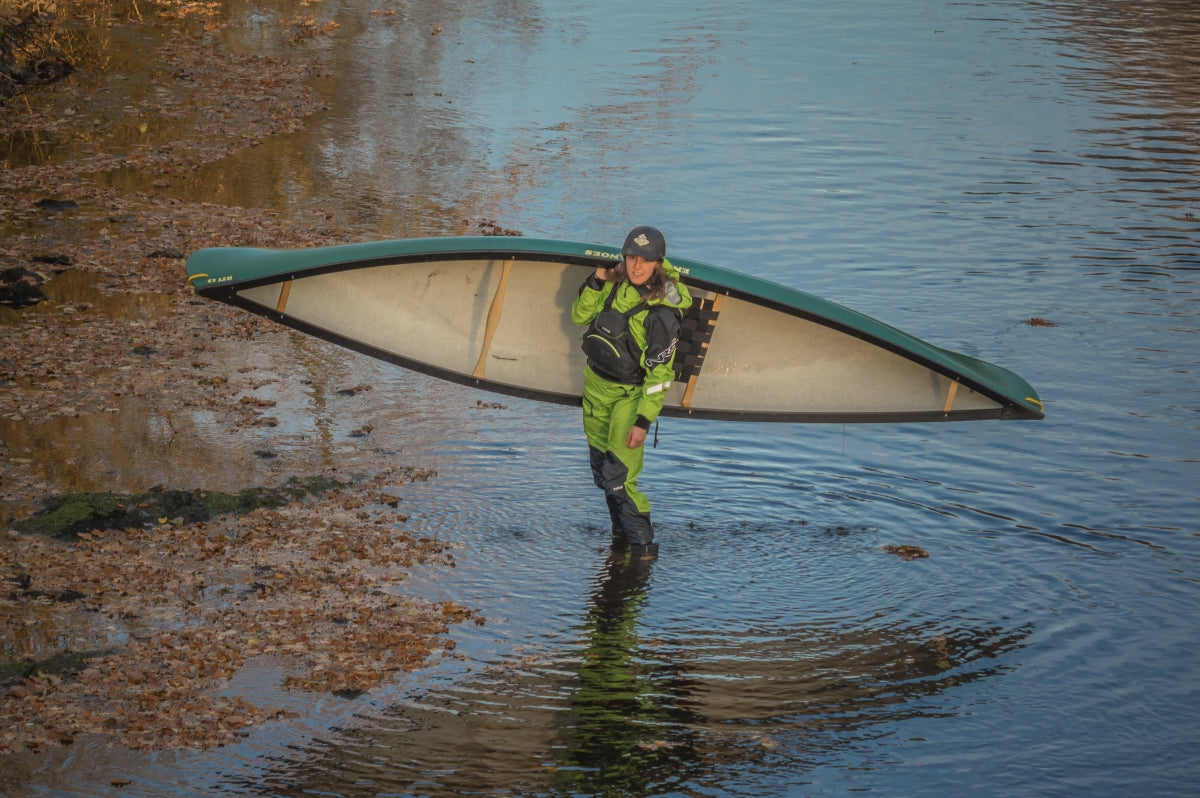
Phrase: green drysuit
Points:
(611, 409)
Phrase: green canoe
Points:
(494, 312)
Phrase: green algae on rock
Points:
(66, 516)
(63, 663)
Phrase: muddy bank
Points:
(187, 105)
(131, 629)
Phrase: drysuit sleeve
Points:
(662, 336)
(587, 305)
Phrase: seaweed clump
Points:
(63, 663)
(66, 516)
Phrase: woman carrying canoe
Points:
(633, 310)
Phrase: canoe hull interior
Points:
(501, 321)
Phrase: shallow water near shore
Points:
(954, 170)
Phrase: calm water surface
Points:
(952, 168)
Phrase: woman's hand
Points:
(602, 273)
(637, 436)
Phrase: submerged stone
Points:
(20, 287)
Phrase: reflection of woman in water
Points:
(624, 737)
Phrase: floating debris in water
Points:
(907, 553)
(485, 227)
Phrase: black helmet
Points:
(647, 242)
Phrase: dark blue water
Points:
(954, 169)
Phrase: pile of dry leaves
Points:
(185, 605)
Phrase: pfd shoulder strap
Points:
(628, 314)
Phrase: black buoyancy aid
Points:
(611, 349)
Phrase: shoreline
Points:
(173, 609)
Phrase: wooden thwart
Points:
(284, 290)
(950, 394)
(493, 321)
